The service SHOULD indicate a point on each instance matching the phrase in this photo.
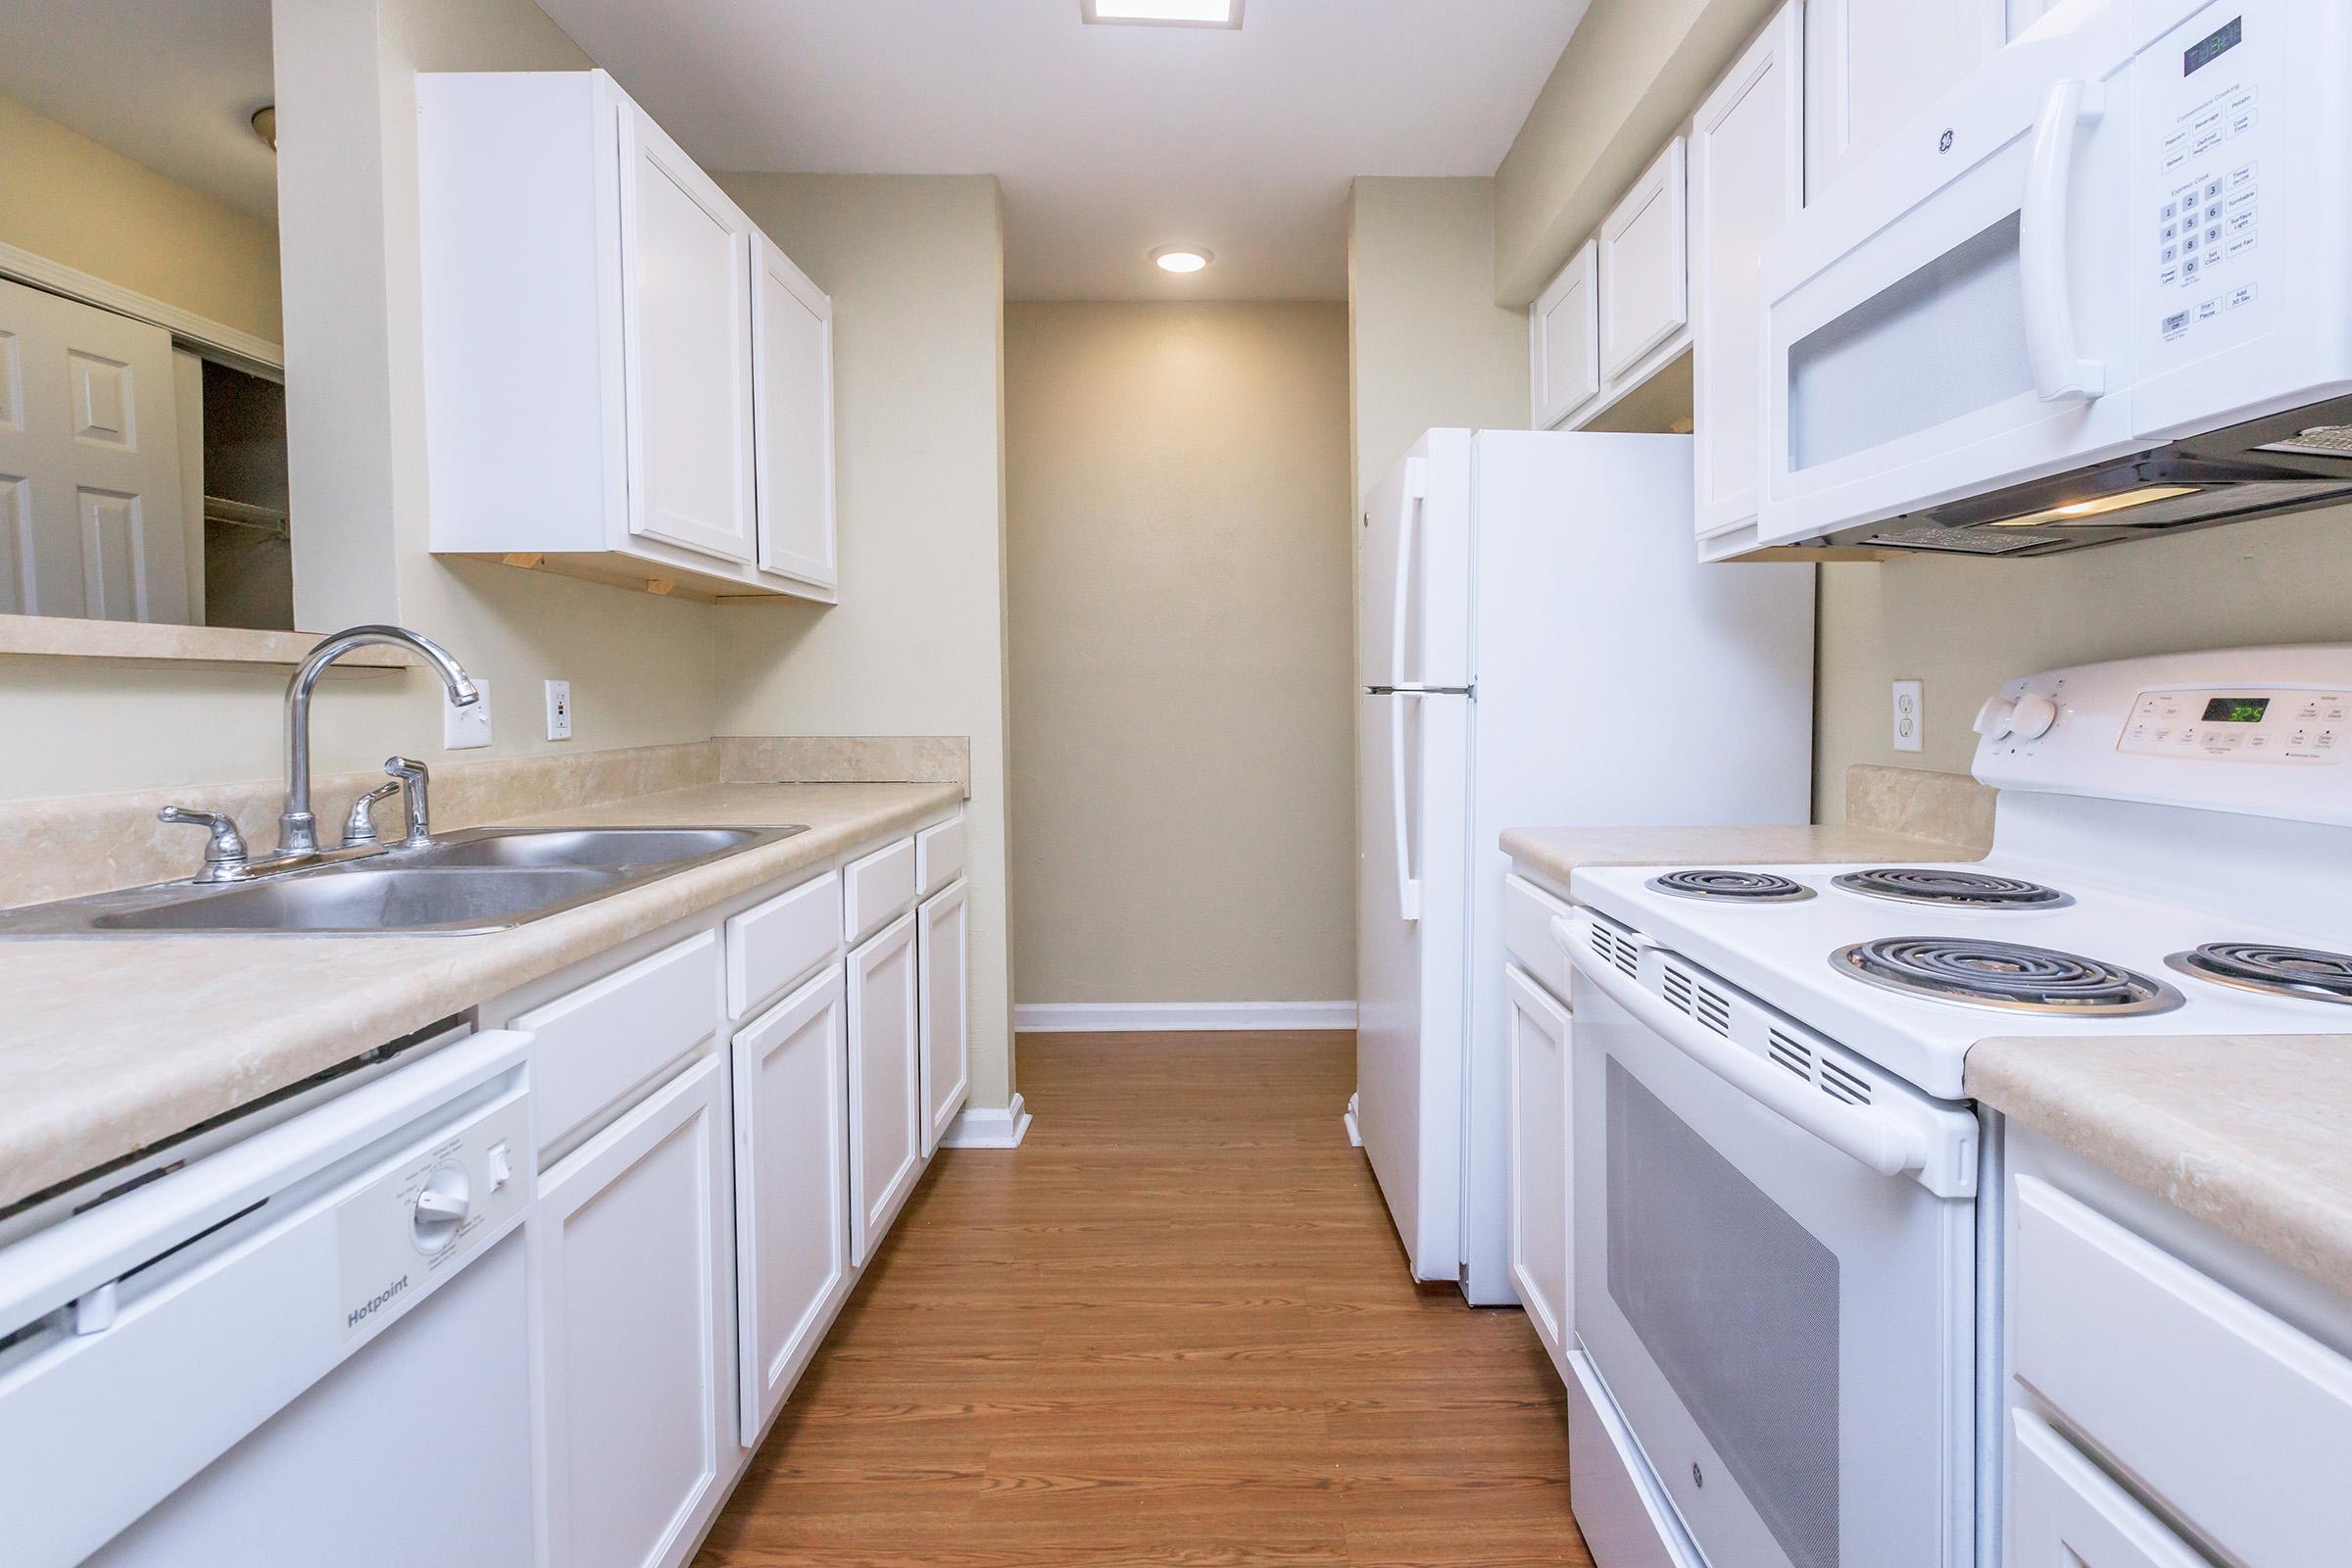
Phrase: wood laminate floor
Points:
(1174, 1326)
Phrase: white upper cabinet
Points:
(625, 379)
(1564, 341)
(685, 252)
(1746, 179)
(1644, 284)
(791, 361)
(1872, 65)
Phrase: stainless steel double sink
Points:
(482, 880)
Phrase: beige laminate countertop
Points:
(1556, 853)
(109, 1044)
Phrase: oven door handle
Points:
(1875, 1137)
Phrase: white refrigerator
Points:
(1538, 644)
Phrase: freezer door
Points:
(1413, 568)
(1413, 765)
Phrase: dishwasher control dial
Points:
(441, 1206)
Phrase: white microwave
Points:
(2102, 291)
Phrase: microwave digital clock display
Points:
(2236, 709)
(2206, 50)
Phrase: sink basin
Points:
(598, 848)
(367, 898)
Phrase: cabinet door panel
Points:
(792, 1188)
(792, 390)
(1564, 324)
(945, 942)
(1644, 257)
(886, 1089)
(1539, 1159)
(1871, 66)
(632, 1269)
(685, 259)
(1746, 179)
(2064, 1512)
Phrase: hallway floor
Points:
(1174, 1326)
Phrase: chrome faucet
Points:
(297, 828)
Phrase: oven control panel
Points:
(2240, 724)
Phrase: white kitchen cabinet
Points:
(632, 1256)
(1564, 340)
(1643, 265)
(944, 947)
(792, 360)
(1873, 65)
(792, 1189)
(1746, 172)
(612, 370)
(886, 1082)
(1537, 1026)
(2065, 1512)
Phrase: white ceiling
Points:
(168, 83)
(1111, 140)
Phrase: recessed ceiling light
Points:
(1180, 257)
(1162, 13)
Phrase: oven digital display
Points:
(2236, 709)
(2206, 50)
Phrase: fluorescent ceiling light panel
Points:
(1182, 257)
(1162, 13)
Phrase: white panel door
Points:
(792, 1188)
(1746, 179)
(687, 338)
(1539, 1156)
(791, 355)
(1644, 261)
(1564, 340)
(886, 1083)
(633, 1265)
(2064, 1512)
(1871, 66)
(945, 943)
(91, 506)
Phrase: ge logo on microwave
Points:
(1943, 143)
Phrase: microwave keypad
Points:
(2210, 214)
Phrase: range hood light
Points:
(2075, 514)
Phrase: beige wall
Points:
(916, 647)
(1427, 346)
(1178, 526)
(70, 199)
(1964, 626)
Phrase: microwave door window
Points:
(1738, 1305)
(1941, 342)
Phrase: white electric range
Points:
(1778, 1277)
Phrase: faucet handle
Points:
(225, 853)
(413, 777)
(358, 828)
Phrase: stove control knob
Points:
(2033, 716)
(1994, 719)
(444, 1204)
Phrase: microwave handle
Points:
(1869, 1134)
(2060, 373)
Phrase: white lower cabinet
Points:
(792, 1187)
(634, 1258)
(944, 941)
(2066, 1513)
(1539, 1158)
(886, 1102)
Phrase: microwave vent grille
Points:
(2320, 441)
(1966, 541)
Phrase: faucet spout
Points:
(296, 827)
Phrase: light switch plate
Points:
(558, 709)
(464, 728)
(1910, 715)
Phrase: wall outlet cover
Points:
(464, 728)
(558, 709)
(1910, 715)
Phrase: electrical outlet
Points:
(1910, 715)
(558, 709)
(463, 728)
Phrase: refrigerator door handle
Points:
(1408, 526)
(1408, 886)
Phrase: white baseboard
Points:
(987, 1127)
(1115, 1017)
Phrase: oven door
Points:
(1787, 1334)
(1954, 318)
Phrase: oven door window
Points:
(1738, 1305)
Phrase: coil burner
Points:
(2003, 974)
(1952, 889)
(2305, 972)
(1733, 887)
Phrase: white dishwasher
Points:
(309, 1346)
